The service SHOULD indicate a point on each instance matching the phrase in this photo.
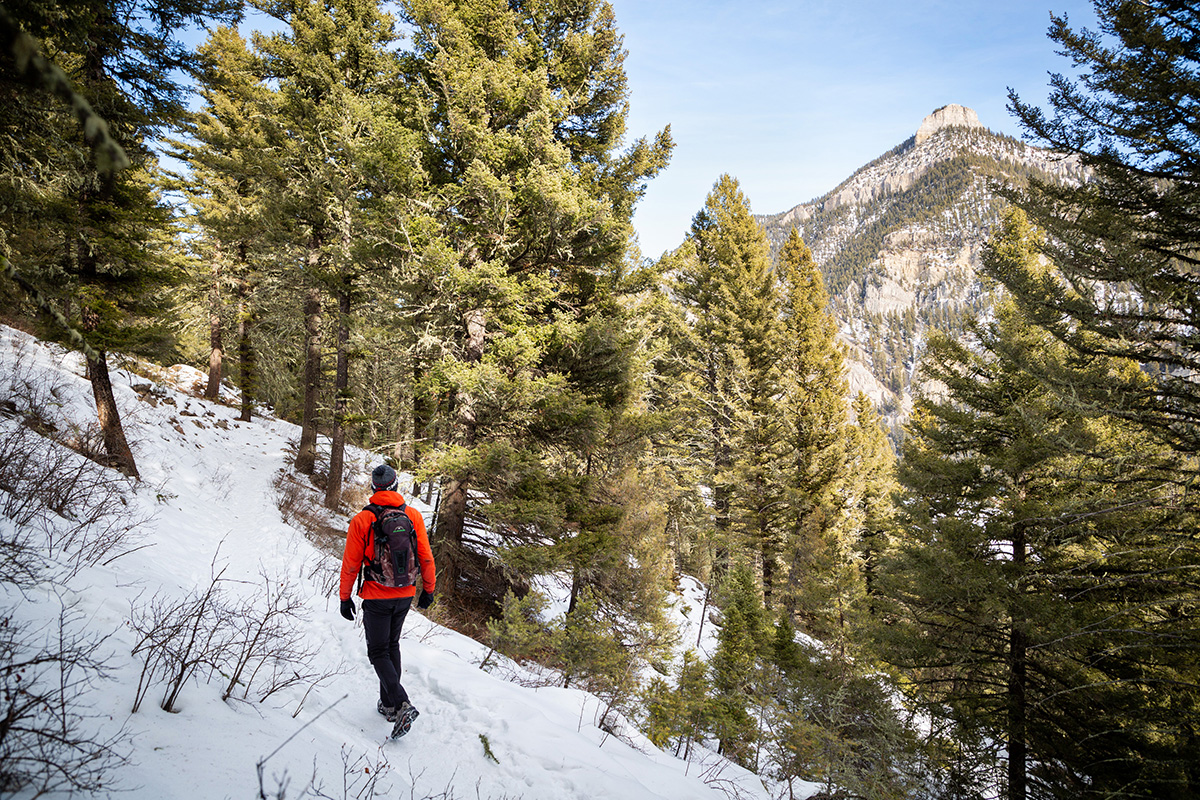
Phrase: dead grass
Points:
(299, 503)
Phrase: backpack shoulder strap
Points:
(376, 511)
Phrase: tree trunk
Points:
(115, 445)
(216, 351)
(768, 568)
(576, 587)
(1017, 672)
(306, 454)
(341, 385)
(404, 449)
(721, 504)
(424, 421)
(453, 514)
(247, 361)
(721, 459)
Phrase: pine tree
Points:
(666, 492)
(337, 116)
(1125, 242)
(872, 484)
(835, 722)
(742, 643)
(1026, 525)
(727, 284)
(680, 715)
(522, 106)
(231, 180)
(1123, 247)
(588, 653)
(519, 632)
(95, 241)
(759, 430)
(821, 531)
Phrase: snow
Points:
(208, 495)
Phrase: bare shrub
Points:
(21, 564)
(362, 775)
(255, 642)
(290, 497)
(76, 506)
(177, 637)
(24, 455)
(355, 496)
(47, 741)
(301, 507)
(33, 394)
(301, 511)
(270, 651)
(40, 398)
(324, 569)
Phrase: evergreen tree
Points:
(736, 666)
(821, 531)
(95, 241)
(1124, 243)
(522, 107)
(519, 632)
(232, 177)
(872, 484)
(1124, 251)
(728, 286)
(1031, 534)
(338, 115)
(835, 722)
(679, 716)
(670, 391)
(589, 654)
(758, 435)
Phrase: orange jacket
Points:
(360, 548)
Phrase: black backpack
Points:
(395, 562)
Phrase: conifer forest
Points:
(406, 227)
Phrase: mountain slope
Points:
(899, 241)
(208, 506)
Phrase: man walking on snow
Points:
(387, 592)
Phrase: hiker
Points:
(388, 586)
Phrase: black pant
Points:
(382, 621)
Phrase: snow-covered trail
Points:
(207, 490)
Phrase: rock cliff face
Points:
(900, 240)
(951, 116)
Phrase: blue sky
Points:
(791, 97)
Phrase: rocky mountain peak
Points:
(900, 243)
(948, 116)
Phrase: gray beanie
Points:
(383, 479)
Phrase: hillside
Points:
(202, 540)
(899, 242)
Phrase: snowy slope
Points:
(207, 491)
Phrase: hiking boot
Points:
(388, 712)
(405, 715)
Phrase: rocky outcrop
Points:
(899, 261)
(950, 116)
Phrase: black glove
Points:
(348, 609)
(425, 601)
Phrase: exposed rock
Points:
(860, 379)
(951, 116)
(897, 262)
